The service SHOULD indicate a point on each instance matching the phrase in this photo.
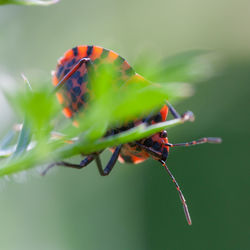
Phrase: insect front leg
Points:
(187, 116)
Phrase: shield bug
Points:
(72, 80)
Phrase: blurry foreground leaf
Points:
(136, 133)
(6, 141)
(191, 66)
(29, 2)
(23, 140)
(39, 107)
(116, 106)
(5, 145)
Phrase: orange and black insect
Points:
(72, 85)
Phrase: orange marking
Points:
(125, 65)
(67, 112)
(120, 159)
(164, 112)
(54, 79)
(68, 54)
(112, 55)
(82, 51)
(60, 98)
(137, 160)
(96, 53)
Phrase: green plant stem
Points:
(137, 133)
(37, 156)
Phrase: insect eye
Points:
(164, 134)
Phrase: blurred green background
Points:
(136, 207)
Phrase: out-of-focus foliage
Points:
(189, 66)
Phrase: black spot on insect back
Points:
(119, 61)
(104, 54)
(66, 71)
(71, 63)
(80, 80)
(69, 84)
(130, 72)
(77, 91)
(75, 51)
(89, 50)
(85, 97)
(59, 72)
(85, 77)
(76, 75)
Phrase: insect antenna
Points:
(214, 140)
(185, 207)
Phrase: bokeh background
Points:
(136, 207)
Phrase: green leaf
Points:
(6, 141)
(29, 2)
(136, 133)
(23, 140)
(190, 66)
(39, 107)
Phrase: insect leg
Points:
(82, 164)
(99, 164)
(85, 60)
(173, 111)
(187, 115)
(111, 163)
